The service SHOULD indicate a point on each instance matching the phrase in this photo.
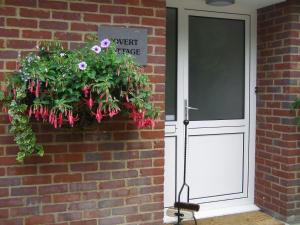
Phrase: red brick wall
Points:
(278, 146)
(105, 174)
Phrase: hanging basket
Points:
(63, 87)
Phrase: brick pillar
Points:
(278, 147)
(106, 174)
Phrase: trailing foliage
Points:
(296, 105)
(61, 86)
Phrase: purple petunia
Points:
(82, 65)
(96, 49)
(105, 43)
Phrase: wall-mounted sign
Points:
(128, 40)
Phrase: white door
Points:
(209, 66)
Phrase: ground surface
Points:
(252, 218)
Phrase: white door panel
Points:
(214, 160)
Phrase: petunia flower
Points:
(82, 65)
(105, 43)
(96, 49)
(62, 54)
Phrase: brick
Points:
(83, 27)
(8, 160)
(139, 181)
(139, 163)
(126, 19)
(34, 13)
(154, 3)
(28, 23)
(110, 221)
(3, 213)
(55, 148)
(22, 191)
(36, 34)
(4, 192)
(7, 11)
(152, 171)
(28, 211)
(20, 44)
(9, 32)
(112, 165)
(126, 155)
(6, 182)
(153, 22)
(67, 36)
(83, 186)
(111, 146)
(44, 219)
(68, 137)
(50, 4)
(69, 216)
(53, 169)
(66, 16)
(124, 192)
(86, 222)
(127, 2)
(34, 159)
(125, 136)
(67, 178)
(53, 25)
(84, 167)
(83, 147)
(93, 156)
(29, 3)
(11, 202)
(68, 158)
(111, 9)
(110, 203)
(125, 210)
(138, 217)
(112, 184)
(31, 180)
(82, 205)
(97, 18)
(50, 189)
(84, 7)
(96, 213)
(140, 11)
(66, 198)
(124, 174)
(54, 208)
(24, 170)
(97, 176)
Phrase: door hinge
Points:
(256, 89)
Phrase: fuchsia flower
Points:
(37, 88)
(71, 118)
(99, 115)
(113, 112)
(90, 103)
(86, 91)
(105, 43)
(82, 65)
(96, 49)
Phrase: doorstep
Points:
(251, 218)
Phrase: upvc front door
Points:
(208, 66)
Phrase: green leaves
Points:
(60, 86)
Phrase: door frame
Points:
(175, 128)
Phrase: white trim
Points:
(175, 128)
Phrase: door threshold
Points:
(219, 212)
(249, 218)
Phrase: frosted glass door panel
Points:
(216, 68)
